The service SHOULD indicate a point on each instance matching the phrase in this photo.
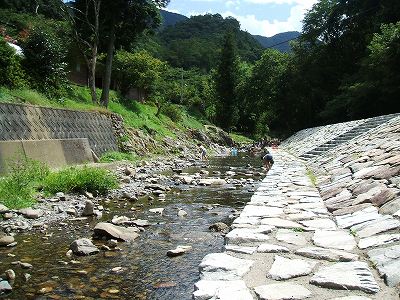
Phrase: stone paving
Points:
(286, 244)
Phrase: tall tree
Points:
(123, 20)
(85, 21)
(226, 81)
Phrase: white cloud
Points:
(272, 27)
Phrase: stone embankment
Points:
(337, 240)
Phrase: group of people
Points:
(266, 156)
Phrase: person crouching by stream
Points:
(268, 160)
(203, 152)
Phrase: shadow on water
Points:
(147, 272)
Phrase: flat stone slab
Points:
(271, 248)
(387, 261)
(117, 232)
(337, 239)
(248, 235)
(291, 237)
(378, 240)
(371, 228)
(282, 291)
(326, 254)
(285, 268)
(207, 289)
(247, 220)
(349, 220)
(30, 213)
(280, 223)
(240, 249)
(83, 247)
(346, 276)
(261, 211)
(221, 266)
(319, 224)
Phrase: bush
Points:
(17, 189)
(173, 112)
(78, 180)
(11, 72)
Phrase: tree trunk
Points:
(159, 106)
(105, 95)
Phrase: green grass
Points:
(26, 177)
(78, 180)
(240, 139)
(118, 156)
(312, 177)
(18, 188)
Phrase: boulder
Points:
(219, 227)
(110, 231)
(5, 287)
(83, 247)
(391, 207)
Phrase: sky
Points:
(262, 17)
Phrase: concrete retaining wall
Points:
(27, 122)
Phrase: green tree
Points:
(124, 20)
(227, 112)
(11, 72)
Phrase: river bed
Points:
(147, 273)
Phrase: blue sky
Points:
(263, 17)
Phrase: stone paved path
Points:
(286, 245)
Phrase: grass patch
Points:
(240, 139)
(118, 156)
(18, 188)
(312, 177)
(78, 180)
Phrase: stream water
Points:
(147, 272)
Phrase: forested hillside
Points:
(344, 64)
(280, 41)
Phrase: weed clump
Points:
(78, 180)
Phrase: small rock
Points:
(71, 211)
(10, 275)
(117, 270)
(69, 253)
(219, 227)
(89, 208)
(125, 180)
(128, 171)
(178, 251)
(30, 213)
(88, 195)
(3, 209)
(25, 265)
(5, 287)
(27, 276)
(83, 247)
(60, 196)
(6, 240)
(182, 213)
(8, 216)
(157, 210)
(112, 243)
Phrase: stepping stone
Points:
(280, 223)
(367, 214)
(285, 268)
(239, 249)
(221, 266)
(326, 254)
(346, 276)
(382, 224)
(387, 261)
(291, 237)
(338, 239)
(282, 291)
(261, 211)
(304, 215)
(247, 220)
(378, 240)
(271, 248)
(248, 235)
(207, 289)
(111, 231)
(319, 224)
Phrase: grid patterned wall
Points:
(26, 122)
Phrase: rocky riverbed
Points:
(161, 208)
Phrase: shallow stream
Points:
(147, 272)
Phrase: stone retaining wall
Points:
(27, 122)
